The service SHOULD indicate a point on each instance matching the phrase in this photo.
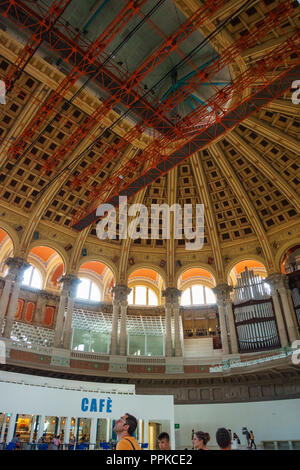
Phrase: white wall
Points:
(269, 420)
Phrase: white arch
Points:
(282, 250)
(244, 257)
(194, 265)
(155, 268)
(55, 246)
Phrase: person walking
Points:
(247, 435)
(124, 428)
(252, 440)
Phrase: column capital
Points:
(69, 284)
(172, 295)
(277, 281)
(16, 268)
(222, 292)
(120, 292)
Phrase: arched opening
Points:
(47, 264)
(291, 260)
(199, 315)
(96, 281)
(255, 267)
(6, 251)
(196, 285)
(146, 286)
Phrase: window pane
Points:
(130, 297)
(140, 295)
(32, 278)
(137, 345)
(210, 296)
(198, 297)
(152, 297)
(26, 277)
(83, 289)
(95, 293)
(186, 297)
(36, 280)
(155, 346)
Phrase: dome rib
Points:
(245, 201)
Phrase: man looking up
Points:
(124, 428)
(164, 441)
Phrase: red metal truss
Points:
(279, 14)
(55, 11)
(122, 94)
(81, 68)
(68, 45)
(160, 162)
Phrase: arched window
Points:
(142, 295)
(32, 278)
(198, 295)
(88, 290)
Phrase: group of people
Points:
(126, 426)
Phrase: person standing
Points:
(223, 439)
(124, 428)
(235, 442)
(252, 440)
(200, 440)
(164, 441)
(247, 435)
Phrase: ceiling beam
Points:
(204, 138)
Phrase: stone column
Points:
(283, 289)
(114, 329)
(221, 296)
(178, 348)
(172, 295)
(57, 342)
(18, 265)
(168, 338)
(73, 282)
(274, 281)
(230, 317)
(120, 293)
(63, 302)
(123, 332)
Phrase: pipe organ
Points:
(255, 320)
(296, 302)
(294, 285)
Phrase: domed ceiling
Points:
(247, 178)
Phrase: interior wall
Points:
(269, 420)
